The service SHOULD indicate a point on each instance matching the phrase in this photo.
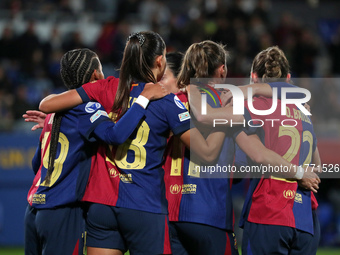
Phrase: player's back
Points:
(139, 160)
(276, 200)
(72, 164)
(199, 196)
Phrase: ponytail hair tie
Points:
(140, 37)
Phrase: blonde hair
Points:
(271, 64)
(201, 61)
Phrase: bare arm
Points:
(316, 160)
(71, 98)
(60, 102)
(225, 113)
(308, 180)
(258, 153)
(207, 149)
(258, 89)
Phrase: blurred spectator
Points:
(73, 41)
(286, 29)
(305, 53)
(128, 9)
(6, 116)
(105, 45)
(21, 103)
(8, 46)
(27, 45)
(334, 52)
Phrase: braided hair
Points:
(271, 64)
(76, 68)
(201, 61)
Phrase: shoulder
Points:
(89, 107)
(111, 80)
(173, 99)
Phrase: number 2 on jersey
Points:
(293, 150)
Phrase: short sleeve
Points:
(90, 91)
(89, 116)
(177, 115)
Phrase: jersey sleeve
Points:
(97, 125)
(290, 95)
(118, 133)
(91, 91)
(89, 116)
(96, 90)
(177, 115)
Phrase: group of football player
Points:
(116, 166)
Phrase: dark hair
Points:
(201, 61)
(271, 64)
(174, 62)
(139, 57)
(76, 68)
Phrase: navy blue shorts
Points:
(54, 231)
(127, 229)
(199, 239)
(260, 239)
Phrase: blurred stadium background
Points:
(34, 34)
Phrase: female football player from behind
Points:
(286, 205)
(129, 210)
(54, 219)
(201, 219)
(288, 220)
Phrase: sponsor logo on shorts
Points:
(289, 194)
(92, 107)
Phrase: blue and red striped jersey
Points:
(76, 146)
(131, 175)
(278, 201)
(199, 196)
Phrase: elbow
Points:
(44, 107)
(209, 157)
(199, 117)
(258, 158)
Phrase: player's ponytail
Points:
(76, 68)
(139, 57)
(201, 61)
(271, 64)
